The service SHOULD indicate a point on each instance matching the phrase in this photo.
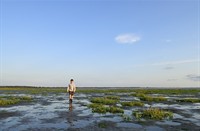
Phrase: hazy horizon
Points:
(100, 43)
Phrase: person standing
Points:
(71, 89)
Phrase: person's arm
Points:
(68, 88)
(74, 88)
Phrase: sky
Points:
(100, 43)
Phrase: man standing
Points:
(71, 89)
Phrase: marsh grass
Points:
(11, 100)
(126, 117)
(155, 99)
(138, 94)
(113, 97)
(102, 124)
(153, 113)
(189, 100)
(132, 103)
(99, 108)
(4, 102)
(114, 109)
(104, 100)
(145, 97)
(41, 90)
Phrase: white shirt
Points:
(71, 87)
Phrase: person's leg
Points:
(72, 96)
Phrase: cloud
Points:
(127, 38)
(169, 68)
(168, 40)
(193, 77)
(169, 63)
(175, 62)
(171, 79)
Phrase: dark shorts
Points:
(71, 93)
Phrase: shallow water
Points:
(53, 112)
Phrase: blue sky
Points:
(100, 43)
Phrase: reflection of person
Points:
(70, 106)
(71, 89)
(70, 117)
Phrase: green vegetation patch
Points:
(132, 103)
(46, 90)
(104, 100)
(102, 125)
(114, 109)
(99, 108)
(4, 102)
(145, 97)
(150, 98)
(190, 100)
(126, 117)
(153, 113)
(113, 97)
(11, 100)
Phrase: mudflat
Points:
(49, 109)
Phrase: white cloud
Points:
(127, 38)
(169, 68)
(193, 77)
(167, 63)
(168, 40)
(175, 62)
(171, 79)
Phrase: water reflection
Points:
(70, 106)
(70, 114)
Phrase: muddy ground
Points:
(53, 112)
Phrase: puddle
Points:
(171, 123)
(154, 128)
(128, 125)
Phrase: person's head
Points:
(71, 81)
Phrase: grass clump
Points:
(11, 100)
(190, 100)
(138, 95)
(153, 113)
(104, 100)
(113, 109)
(113, 97)
(132, 103)
(126, 117)
(150, 98)
(145, 97)
(25, 98)
(102, 125)
(4, 102)
(99, 108)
